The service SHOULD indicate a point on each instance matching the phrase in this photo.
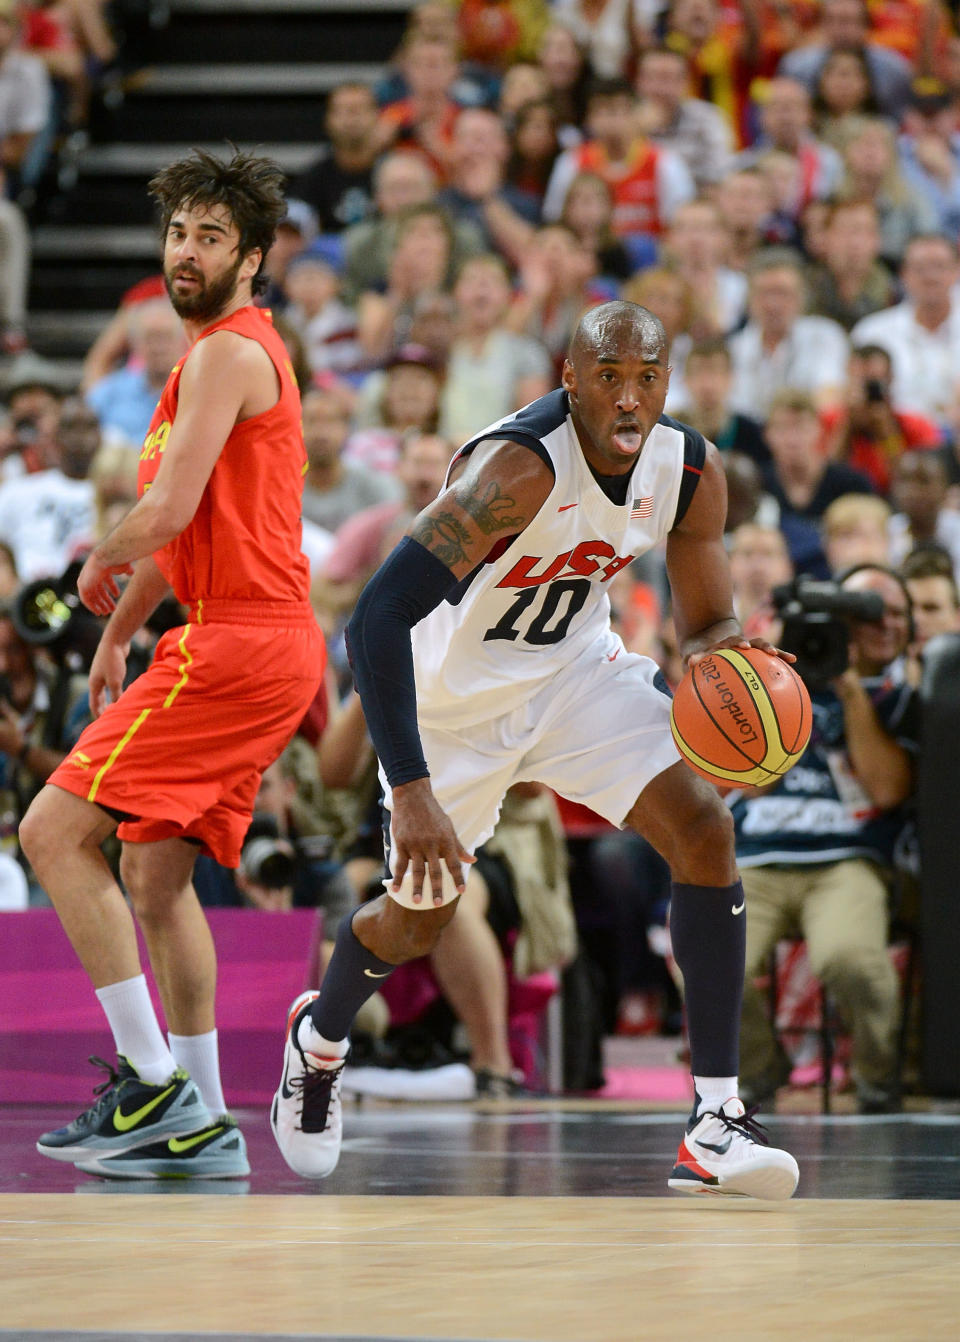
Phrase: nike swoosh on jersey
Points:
(564, 507)
(738, 908)
(178, 1144)
(371, 975)
(124, 1122)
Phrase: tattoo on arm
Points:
(444, 536)
(490, 509)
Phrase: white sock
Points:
(312, 1042)
(714, 1091)
(199, 1055)
(137, 1035)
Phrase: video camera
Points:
(816, 626)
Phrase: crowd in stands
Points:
(778, 180)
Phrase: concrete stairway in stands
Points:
(252, 71)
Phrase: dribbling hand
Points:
(424, 837)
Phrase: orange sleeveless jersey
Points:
(633, 185)
(244, 542)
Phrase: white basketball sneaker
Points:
(726, 1151)
(305, 1115)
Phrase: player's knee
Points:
(139, 881)
(40, 833)
(701, 840)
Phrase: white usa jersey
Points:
(539, 600)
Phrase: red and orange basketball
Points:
(741, 717)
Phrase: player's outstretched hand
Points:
(738, 641)
(424, 838)
(107, 670)
(97, 585)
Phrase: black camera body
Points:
(816, 626)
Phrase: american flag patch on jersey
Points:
(642, 507)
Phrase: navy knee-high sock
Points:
(708, 930)
(353, 975)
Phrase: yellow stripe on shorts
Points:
(185, 666)
(92, 794)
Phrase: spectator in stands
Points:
(871, 173)
(425, 119)
(746, 499)
(648, 182)
(929, 151)
(327, 327)
(856, 530)
(404, 397)
(708, 380)
(124, 400)
(25, 102)
(33, 403)
(844, 88)
(338, 185)
(801, 478)
(919, 495)
(555, 288)
(868, 432)
(366, 538)
(588, 213)
(496, 33)
(477, 190)
(745, 202)
(781, 348)
(113, 473)
(815, 852)
(851, 281)
(401, 181)
(921, 334)
(931, 581)
(332, 490)
(846, 25)
(786, 121)
(43, 516)
(564, 62)
(492, 370)
(419, 265)
(696, 246)
(606, 30)
(696, 131)
(723, 57)
(296, 231)
(759, 562)
(112, 346)
(534, 147)
(523, 82)
(40, 700)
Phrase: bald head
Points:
(615, 330)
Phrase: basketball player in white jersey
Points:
(483, 655)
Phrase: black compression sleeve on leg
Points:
(708, 929)
(408, 585)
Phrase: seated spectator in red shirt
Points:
(425, 118)
(867, 432)
(648, 182)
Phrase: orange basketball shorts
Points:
(183, 748)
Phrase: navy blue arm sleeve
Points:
(409, 584)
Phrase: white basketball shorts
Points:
(598, 733)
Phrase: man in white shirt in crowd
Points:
(46, 515)
(921, 334)
(779, 348)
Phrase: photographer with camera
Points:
(41, 710)
(869, 433)
(815, 849)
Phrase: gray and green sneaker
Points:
(128, 1113)
(216, 1151)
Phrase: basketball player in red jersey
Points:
(175, 759)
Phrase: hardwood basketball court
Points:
(533, 1222)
